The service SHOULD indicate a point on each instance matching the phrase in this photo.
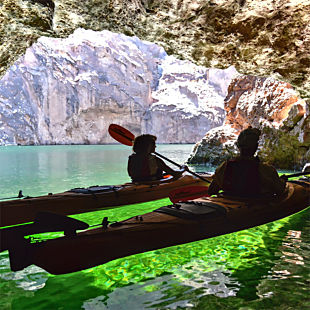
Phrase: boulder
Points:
(270, 105)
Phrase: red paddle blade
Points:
(121, 134)
(188, 193)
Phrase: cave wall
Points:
(264, 38)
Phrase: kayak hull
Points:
(157, 230)
(19, 211)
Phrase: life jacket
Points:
(241, 177)
(145, 168)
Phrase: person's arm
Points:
(213, 188)
(130, 169)
(163, 167)
(271, 180)
(217, 180)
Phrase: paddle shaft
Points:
(172, 162)
(123, 133)
(298, 174)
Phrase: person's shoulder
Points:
(227, 161)
(222, 166)
(266, 166)
(134, 156)
(267, 169)
(224, 163)
(159, 161)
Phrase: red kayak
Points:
(171, 225)
(81, 200)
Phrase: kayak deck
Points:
(77, 201)
(204, 218)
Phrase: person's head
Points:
(144, 144)
(247, 141)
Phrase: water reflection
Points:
(232, 271)
(265, 267)
(167, 291)
(255, 269)
(38, 170)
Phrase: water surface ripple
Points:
(265, 267)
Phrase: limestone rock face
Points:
(188, 101)
(267, 104)
(217, 146)
(21, 24)
(260, 102)
(264, 38)
(259, 38)
(65, 91)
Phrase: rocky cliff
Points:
(259, 38)
(68, 91)
(264, 38)
(268, 104)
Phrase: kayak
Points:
(80, 200)
(180, 223)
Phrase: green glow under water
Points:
(265, 267)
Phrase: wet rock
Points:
(217, 146)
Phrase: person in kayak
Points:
(145, 166)
(245, 175)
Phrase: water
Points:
(37, 170)
(266, 267)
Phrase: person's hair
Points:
(248, 138)
(141, 143)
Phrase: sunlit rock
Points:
(217, 145)
(264, 38)
(270, 105)
(65, 91)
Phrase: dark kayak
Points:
(167, 226)
(80, 200)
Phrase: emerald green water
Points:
(266, 267)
